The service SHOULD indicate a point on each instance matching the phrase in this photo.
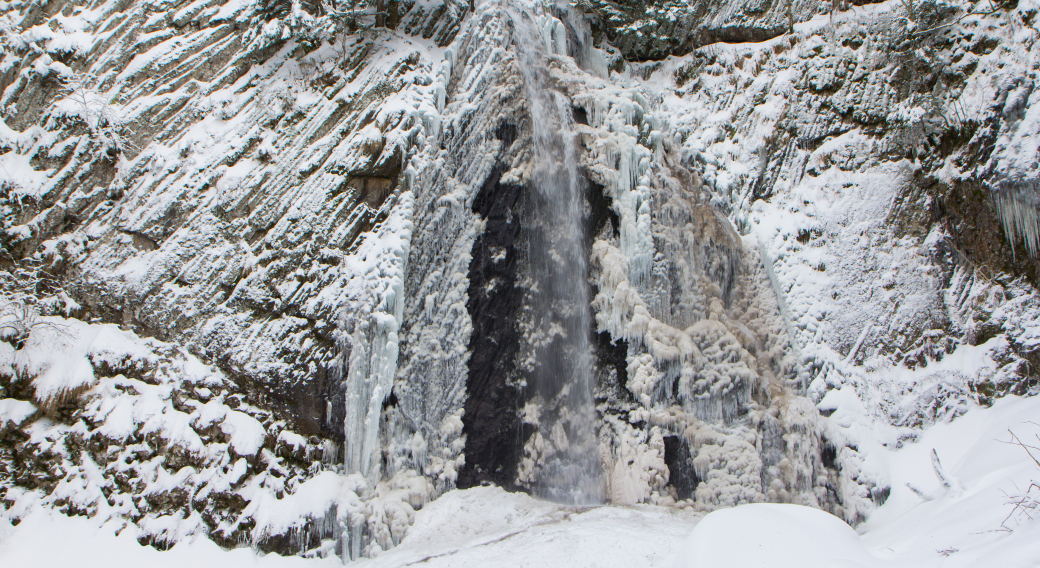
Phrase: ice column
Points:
(372, 345)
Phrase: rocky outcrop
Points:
(218, 159)
(156, 442)
(656, 29)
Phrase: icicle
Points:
(559, 32)
(372, 363)
(1017, 206)
(449, 61)
(441, 94)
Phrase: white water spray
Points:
(568, 469)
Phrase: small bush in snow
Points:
(83, 101)
(1025, 503)
(27, 292)
(266, 153)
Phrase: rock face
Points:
(236, 164)
(655, 29)
(156, 442)
(785, 239)
(495, 299)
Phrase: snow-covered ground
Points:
(965, 525)
(969, 523)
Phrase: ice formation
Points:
(1017, 205)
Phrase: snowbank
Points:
(35, 542)
(971, 522)
(487, 526)
(777, 536)
(484, 526)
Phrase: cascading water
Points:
(568, 467)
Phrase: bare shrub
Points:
(1025, 503)
(103, 120)
(27, 294)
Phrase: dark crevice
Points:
(612, 363)
(391, 401)
(611, 355)
(600, 213)
(506, 132)
(491, 422)
(580, 115)
(829, 455)
(681, 475)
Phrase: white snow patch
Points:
(15, 412)
(775, 536)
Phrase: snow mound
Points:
(777, 536)
(15, 412)
(488, 526)
(476, 516)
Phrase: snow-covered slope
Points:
(971, 525)
(143, 437)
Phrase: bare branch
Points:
(944, 479)
(924, 496)
(1024, 503)
(1017, 442)
(28, 293)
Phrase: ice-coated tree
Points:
(27, 294)
(83, 100)
(356, 15)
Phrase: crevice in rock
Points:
(679, 460)
(829, 455)
(580, 116)
(506, 132)
(491, 422)
(612, 366)
(600, 213)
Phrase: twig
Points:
(1017, 442)
(944, 479)
(1026, 501)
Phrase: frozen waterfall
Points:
(567, 467)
